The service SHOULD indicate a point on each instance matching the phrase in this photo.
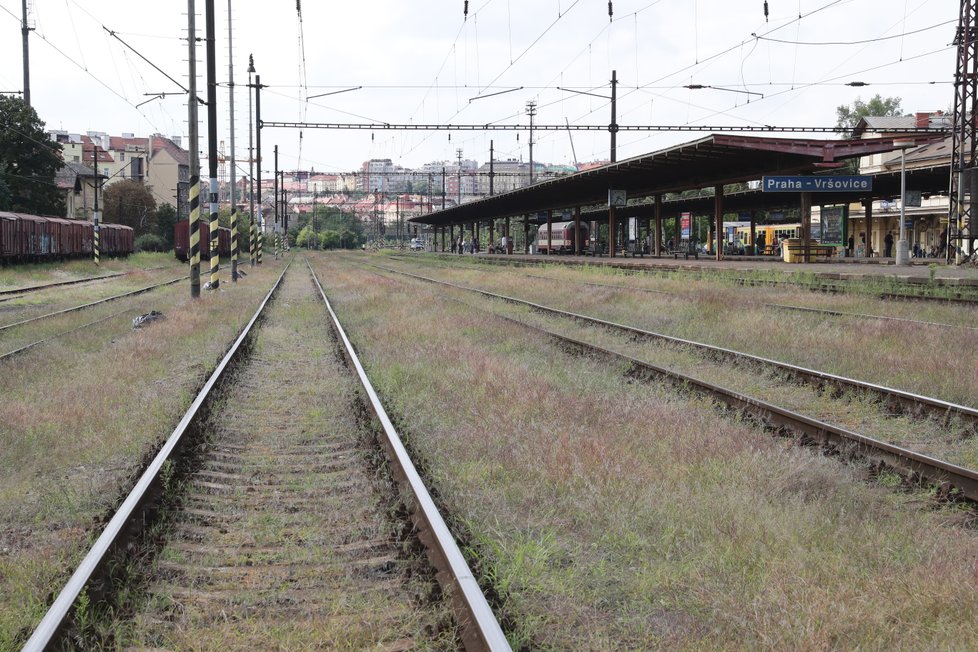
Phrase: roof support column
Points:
(718, 219)
(442, 229)
(658, 224)
(753, 234)
(506, 234)
(526, 233)
(492, 234)
(806, 225)
(612, 227)
(577, 230)
(868, 206)
(550, 233)
(451, 237)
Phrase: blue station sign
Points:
(850, 183)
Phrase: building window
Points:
(122, 156)
(75, 158)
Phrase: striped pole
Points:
(95, 243)
(194, 236)
(194, 226)
(234, 244)
(259, 235)
(215, 256)
(253, 241)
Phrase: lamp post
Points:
(903, 249)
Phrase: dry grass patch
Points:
(78, 416)
(616, 515)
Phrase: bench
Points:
(685, 253)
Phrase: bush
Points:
(150, 242)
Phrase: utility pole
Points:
(275, 200)
(194, 227)
(96, 216)
(261, 217)
(443, 187)
(613, 127)
(253, 237)
(458, 152)
(531, 110)
(212, 137)
(964, 139)
(25, 30)
(234, 173)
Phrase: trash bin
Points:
(791, 250)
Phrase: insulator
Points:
(611, 11)
(765, 11)
(465, 11)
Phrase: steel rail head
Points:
(932, 468)
(484, 631)
(936, 405)
(93, 303)
(36, 288)
(47, 630)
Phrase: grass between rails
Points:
(912, 357)
(77, 418)
(261, 575)
(28, 274)
(613, 515)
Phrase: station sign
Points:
(849, 183)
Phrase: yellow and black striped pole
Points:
(95, 242)
(253, 241)
(234, 244)
(259, 237)
(215, 228)
(195, 236)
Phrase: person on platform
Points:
(761, 238)
(852, 246)
(888, 244)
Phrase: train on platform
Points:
(181, 241)
(36, 238)
(560, 238)
(770, 234)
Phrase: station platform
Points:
(837, 269)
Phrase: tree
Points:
(166, 219)
(847, 117)
(131, 203)
(29, 161)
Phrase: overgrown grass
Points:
(77, 417)
(614, 515)
(27, 274)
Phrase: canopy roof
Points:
(717, 159)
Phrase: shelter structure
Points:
(710, 162)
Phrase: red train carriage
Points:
(181, 240)
(29, 238)
(560, 238)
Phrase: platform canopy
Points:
(717, 159)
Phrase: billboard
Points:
(686, 223)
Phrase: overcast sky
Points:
(421, 61)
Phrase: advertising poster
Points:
(685, 223)
(831, 226)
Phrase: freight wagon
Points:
(32, 238)
(181, 240)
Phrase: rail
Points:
(930, 468)
(93, 303)
(480, 629)
(59, 612)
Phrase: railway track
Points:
(16, 293)
(282, 532)
(957, 298)
(881, 454)
(116, 297)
